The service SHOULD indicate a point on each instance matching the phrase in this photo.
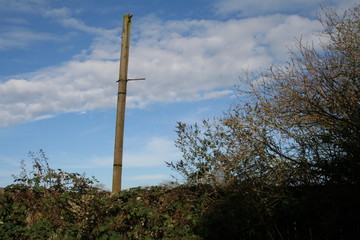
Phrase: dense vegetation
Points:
(53, 204)
(282, 163)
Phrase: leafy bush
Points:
(53, 204)
(48, 203)
(41, 208)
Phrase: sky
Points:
(59, 63)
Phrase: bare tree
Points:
(296, 123)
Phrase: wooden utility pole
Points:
(121, 102)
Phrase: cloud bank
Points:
(182, 61)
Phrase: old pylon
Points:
(121, 102)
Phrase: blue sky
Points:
(59, 62)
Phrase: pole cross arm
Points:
(132, 79)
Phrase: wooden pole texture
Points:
(121, 102)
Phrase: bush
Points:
(53, 204)
(239, 210)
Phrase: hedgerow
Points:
(52, 204)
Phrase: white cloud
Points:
(156, 152)
(217, 94)
(246, 8)
(15, 35)
(74, 86)
(196, 115)
(181, 60)
(57, 13)
(22, 6)
(149, 152)
(64, 16)
(22, 37)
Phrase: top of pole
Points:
(125, 45)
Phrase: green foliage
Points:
(154, 213)
(241, 210)
(42, 176)
(48, 202)
(53, 204)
